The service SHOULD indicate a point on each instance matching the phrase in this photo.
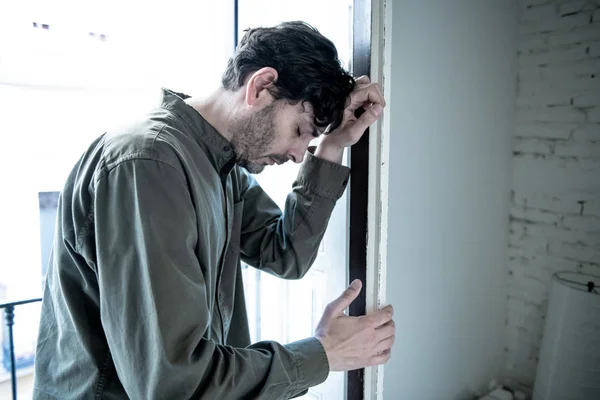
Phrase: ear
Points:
(257, 94)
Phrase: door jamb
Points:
(368, 214)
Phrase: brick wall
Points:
(555, 211)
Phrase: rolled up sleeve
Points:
(286, 243)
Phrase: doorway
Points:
(282, 310)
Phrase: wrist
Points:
(327, 350)
(329, 152)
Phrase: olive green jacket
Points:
(144, 296)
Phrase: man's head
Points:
(293, 88)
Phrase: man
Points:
(144, 297)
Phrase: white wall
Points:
(451, 100)
(555, 210)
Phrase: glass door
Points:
(282, 310)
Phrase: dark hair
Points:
(307, 64)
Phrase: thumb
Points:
(347, 297)
(369, 116)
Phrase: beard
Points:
(252, 138)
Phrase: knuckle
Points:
(365, 320)
(371, 321)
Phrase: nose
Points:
(297, 155)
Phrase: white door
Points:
(282, 310)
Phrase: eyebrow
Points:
(315, 132)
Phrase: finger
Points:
(369, 117)
(362, 80)
(381, 317)
(386, 330)
(378, 88)
(365, 94)
(347, 297)
(382, 358)
(385, 345)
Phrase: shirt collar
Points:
(219, 150)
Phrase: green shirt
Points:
(144, 296)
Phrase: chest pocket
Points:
(231, 263)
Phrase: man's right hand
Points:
(355, 342)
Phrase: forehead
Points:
(303, 113)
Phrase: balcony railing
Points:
(10, 321)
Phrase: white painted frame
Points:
(377, 213)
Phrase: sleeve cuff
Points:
(326, 178)
(312, 366)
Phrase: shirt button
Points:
(226, 148)
(345, 183)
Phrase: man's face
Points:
(273, 135)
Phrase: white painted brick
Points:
(541, 13)
(577, 149)
(547, 174)
(535, 215)
(529, 290)
(558, 86)
(544, 130)
(572, 21)
(574, 6)
(553, 22)
(586, 33)
(587, 99)
(553, 114)
(516, 229)
(584, 223)
(589, 269)
(593, 115)
(525, 314)
(573, 53)
(566, 203)
(537, 273)
(593, 207)
(593, 50)
(533, 42)
(534, 146)
(525, 4)
(587, 133)
(576, 251)
(534, 91)
(555, 99)
(544, 236)
(563, 71)
(528, 246)
(550, 264)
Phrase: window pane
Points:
(69, 71)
